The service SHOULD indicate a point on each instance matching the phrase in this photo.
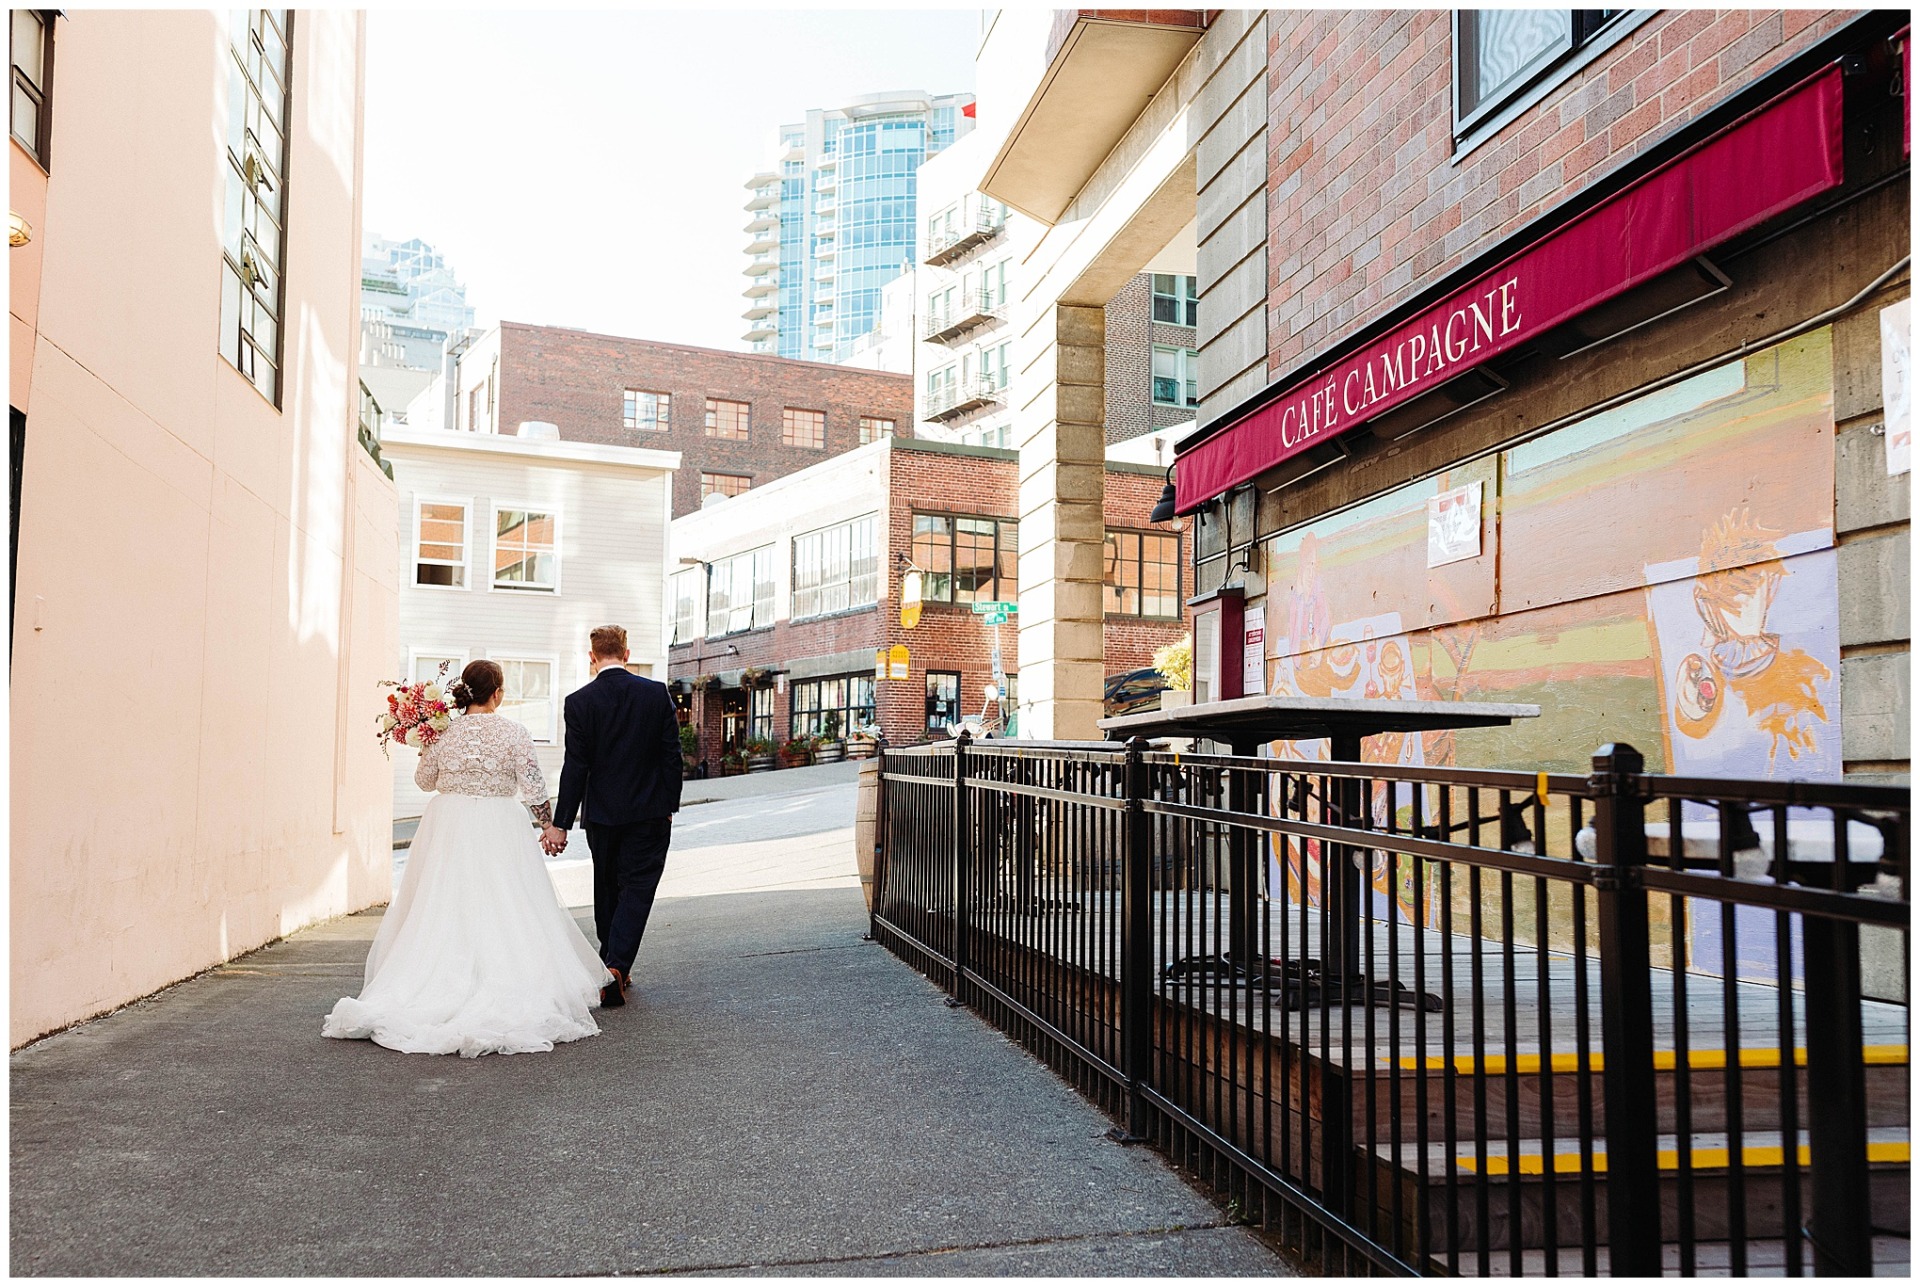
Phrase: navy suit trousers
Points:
(627, 863)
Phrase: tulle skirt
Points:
(475, 955)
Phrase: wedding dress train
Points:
(475, 955)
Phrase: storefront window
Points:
(943, 701)
(834, 706)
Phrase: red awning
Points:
(1777, 158)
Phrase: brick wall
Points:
(1131, 335)
(576, 380)
(1365, 205)
(928, 479)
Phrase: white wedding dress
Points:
(476, 956)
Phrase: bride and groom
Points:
(475, 955)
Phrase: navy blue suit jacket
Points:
(623, 752)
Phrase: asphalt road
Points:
(780, 1098)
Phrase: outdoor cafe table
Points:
(1244, 724)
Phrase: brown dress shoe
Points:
(614, 993)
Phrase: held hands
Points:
(552, 839)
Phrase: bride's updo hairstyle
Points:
(477, 684)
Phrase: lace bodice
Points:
(484, 755)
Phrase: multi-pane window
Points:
(1142, 574)
(526, 555)
(1176, 299)
(641, 409)
(1500, 53)
(32, 72)
(251, 296)
(760, 713)
(687, 616)
(941, 384)
(995, 371)
(838, 705)
(727, 419)
(801, 428)
(993, 286)
(943, 700)
(723, 484)
(740, 593)
(426, 667)
(1176, 377)
(966, 560)
(527, 696)
(440, 547)
(836, 568)
(873, 428)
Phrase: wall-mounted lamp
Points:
(1163, 509)
(19, 231)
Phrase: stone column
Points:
(1061, 434)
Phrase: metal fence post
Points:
(1626, 1013)
(1136, 943)
(1840, 1224)
(962, 848)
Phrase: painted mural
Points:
(1661, 573)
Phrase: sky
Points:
(589, 169)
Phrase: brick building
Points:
(738, 420)
(1151, 366)
(1579, 335)
(804, 582)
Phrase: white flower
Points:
(387, 722)
(440, 722)
(432, 693)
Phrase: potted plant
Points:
(705, 683)
(680, 688)
(754, 677)
(796, 752)
(863, 743)
(1175, 664)
(689, 749)
(759, 755)
(732, 763)
(827, 747)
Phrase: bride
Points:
(476, 955)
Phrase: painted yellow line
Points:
(1704, 1159)
(1663, 1060)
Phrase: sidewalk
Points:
(779, 1098)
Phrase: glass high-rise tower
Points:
(832, 220)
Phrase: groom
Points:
(623, 764)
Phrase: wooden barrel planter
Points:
(760, 763)
(829, 752)
(866, 815)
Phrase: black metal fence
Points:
(1445, 1020)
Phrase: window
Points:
(32, 72)
(1175, 377)
(687, 587)
(837, 705)
(994, 371)
(872, 429)
(943, 700)
(1176, 299)
(528, 694)
(727, 419)
(1499, 54)
(480, 407)
(251, 298)
(440, 543)
(526, 553)
(803, 428)
(643, 410)
(740, 593)
(760, 713)
(941, 385)
(836, 568)
(425, 666)
(723, 484)
(967, 560)
(993, 286)
(1143, 574)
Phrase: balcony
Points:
(763, 179)
(971, 310)
(970, 395)
(764, 198)
(766, 284)
(765, 306)
(760, 330)
(950, 243)
(762, 263)
(371, 417)
(762, 220)
(1104, 66)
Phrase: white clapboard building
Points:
(513, 547)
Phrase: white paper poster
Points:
(1896, 386)
(1453, 526)
(1253, 672)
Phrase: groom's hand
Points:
(552, 839)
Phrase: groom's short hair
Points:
(609, 641)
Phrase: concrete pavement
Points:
(779, 1098)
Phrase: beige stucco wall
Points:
(206, 584)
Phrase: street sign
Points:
(996, 618)
(1003, 608)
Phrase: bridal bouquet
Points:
(416, 713)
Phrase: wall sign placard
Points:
(1453, 526)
